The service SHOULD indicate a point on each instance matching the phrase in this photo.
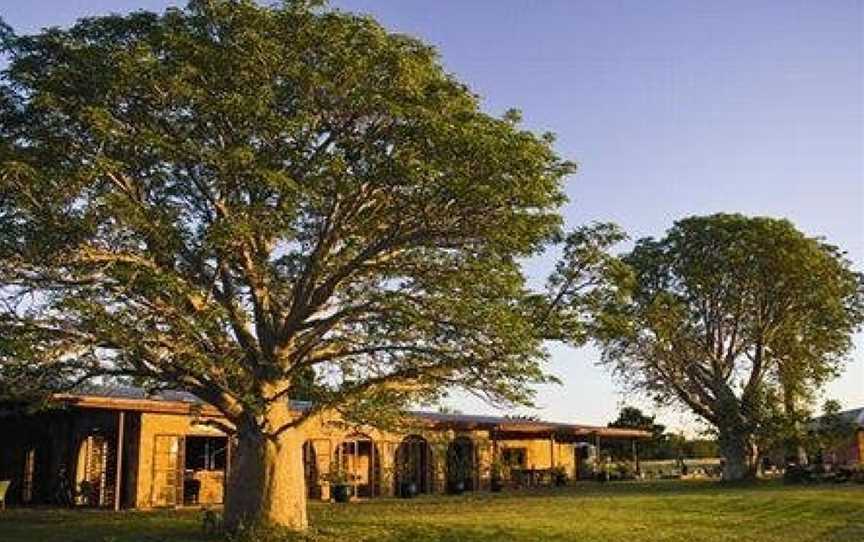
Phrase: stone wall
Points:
(368, 452)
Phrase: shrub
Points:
(559, 475)
(797, 474)
(625, 471)
(858, 475)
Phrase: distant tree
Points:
(724, 307)
(662, 444)
(262, 203)
(701, 448)
(632, 418)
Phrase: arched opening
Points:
(359, 458)
(585, 460)
(310, 471)
(460, 465)
(414, 464)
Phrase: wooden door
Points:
(168, 467)
(96, 471)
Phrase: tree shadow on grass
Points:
(853, 530)
(596, 489)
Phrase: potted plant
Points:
(457, 486)
(408, 489)
(625, 471)
(559, 475)
(340, 483)
(604, 470)
(497, 474)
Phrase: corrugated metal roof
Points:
(172, 396)
(855, 415)
(474, 420)
(131, 392)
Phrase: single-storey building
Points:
(120, 447)
(852, 451)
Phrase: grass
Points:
(644, 512)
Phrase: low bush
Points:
(797, 474)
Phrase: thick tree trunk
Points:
(266, 485)
(737, 451)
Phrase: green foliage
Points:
(336, 474)
(701, 448)
(258, 202)
(632, 418)
(726, 310)
(586, 278)
(661, 445)
(831, 431)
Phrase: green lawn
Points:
(644, 512)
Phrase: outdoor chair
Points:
(4, 487)
(191, 492)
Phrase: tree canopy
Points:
(723, 311)
(218, 197)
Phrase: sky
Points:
(671, 108)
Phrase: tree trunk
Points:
(737, 453)
(266, 486)
(795, 452)
(801, 454)
(755, 461)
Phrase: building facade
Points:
(122, 448)
(852, 451)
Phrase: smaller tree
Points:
(724, 311)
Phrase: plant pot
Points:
(341, 492)
(408, 490)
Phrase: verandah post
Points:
(118, 475)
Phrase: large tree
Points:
(724, 311)
(225, 197)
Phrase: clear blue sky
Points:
(670, 107)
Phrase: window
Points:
(514, 457)
(206, 453)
